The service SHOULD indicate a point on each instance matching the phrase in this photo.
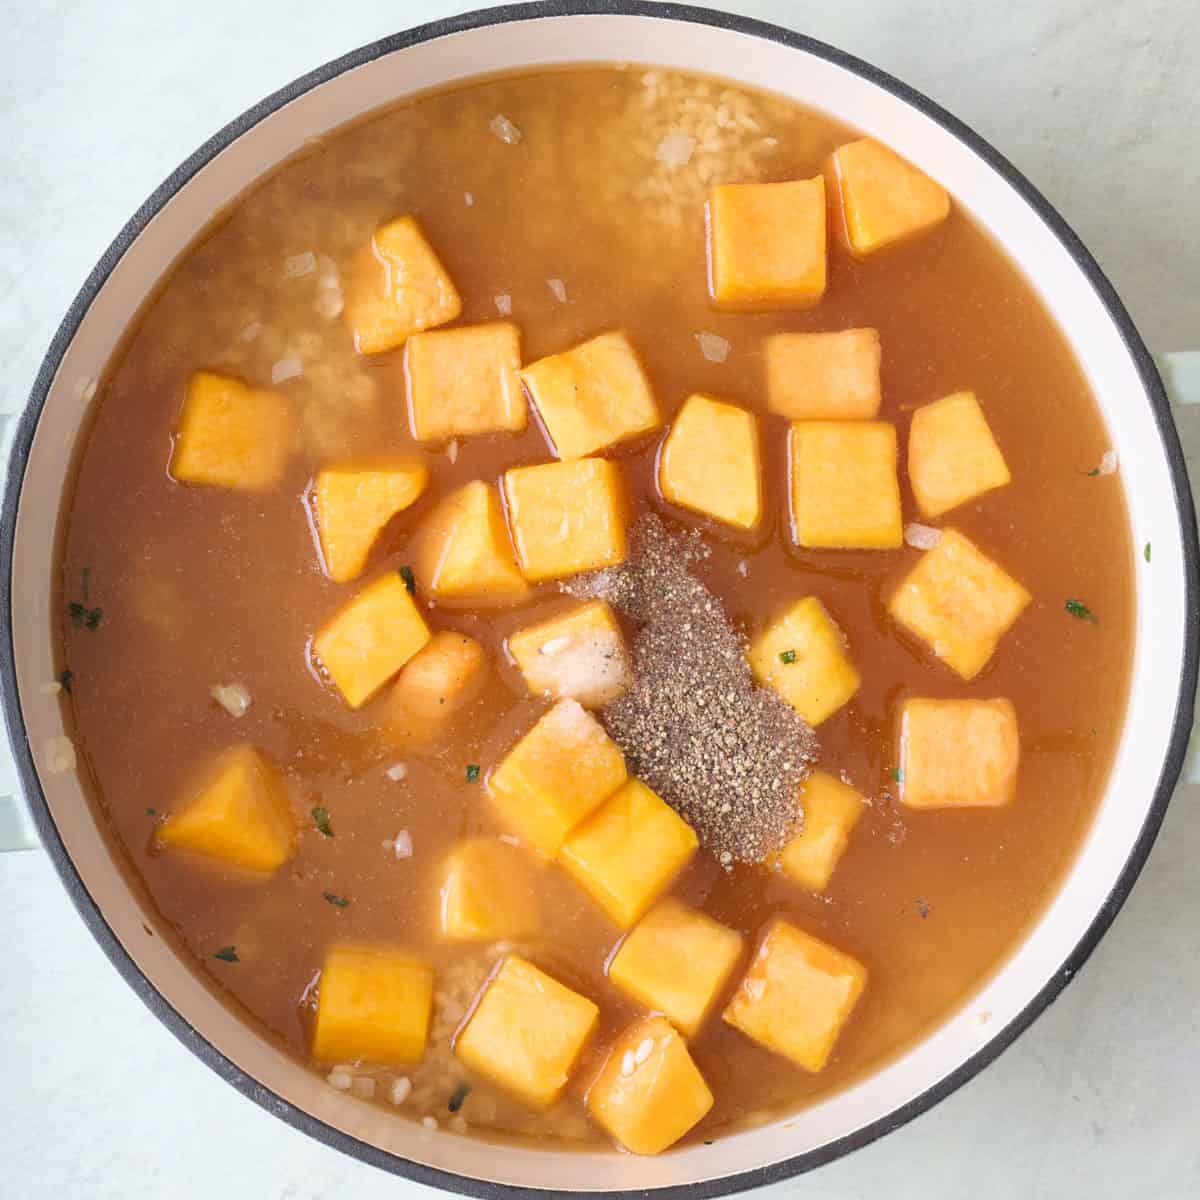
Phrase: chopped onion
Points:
(286, 368)
(714, 347)
(503, 304)
(397, 771)
(559, 289)
(676, 149)
(468, 199)
(505, 130)
(403, 844)
(921, 537)
(340, 1079)
(60, 755)
(232, 697)
(299, 264)
(1108, 463)
(743, 568)
(400, 1089)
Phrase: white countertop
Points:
(1095, 101)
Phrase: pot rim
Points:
(538, 9)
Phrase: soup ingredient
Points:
(559, 288)
(921, 537)
(1077, 608)
(710, 464)
(824, 376)
(676, 961)
(831, 810)
(952, 455)
(885, 200)
(60, 754)
(489, 893)
(714, 347)
(238, 811)
(227, 954)
(402, 845)
(959, 602)
(649, 1092)
(336, 900)
(844, 488)
(797, 995)
(527, 1033)
(505, 130)
(801, 655)
(232, 697)
(84, 617)
(322, 820)
(434, 687)
(232, 436)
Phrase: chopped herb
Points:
(707, 1142)
(897, 775)
(152, 812)
(336, 900)
(1077, 608)
(922, 908)
(1146, 552)
(65, 680)
(84, 579)
(410, 582)
(460, 1094)
(227, 954)
(320, 818)
(1094, 471)
(89, 618)
(472, 772)
(787, 656)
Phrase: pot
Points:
(1117, 364)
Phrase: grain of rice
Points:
(505, 130)
(403, 844)
(232, 697)
(559, 289)
(400, 1090)
(340, 1079)
(921, 537)
(397, 771)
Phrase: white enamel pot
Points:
(1117, 364)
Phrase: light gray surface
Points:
(1096, 102)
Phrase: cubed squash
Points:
(797, 995)
(766, 244)
(578, 655)
(958, 753)
(461, 552)
(352, 502)
(831, 810)
(527, 1033)
(959, 602)
(370, 638)
(885, 200)
(649, 1092)
(373, 1005)
(555, 776)
(824, 376)
(592, 396)
(676, 961)
(231, 435)
(709, 462)
(566, 517)
(802, 655)
(237, 811)
(396, 288)
(626, 854)
(464, 381)
(844, 489)
(434, 687)
(952, 454)
(488, 893)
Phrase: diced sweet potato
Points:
(555, 776)
(488, 893)
(566, 517)
(372, 1004)
(959, 602)
(831, 810)
(370, 638)
(766, 244)
(884, 199)
(952, 455)
(797, 995)
(802, 655)
(845, 492)
(464, 381)
(709, 462)
(527, 1033)
(238, 811)
(958, 753)
(352, 502)
(434, 687)
(592, 396)
(628, 851)
(232, 436)
(824, 376)
(649, 1092)
(396, 288)
(676, 961)
(579, 655)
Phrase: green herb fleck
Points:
(787, 656)
(152, 812)
(410, 582)
(89, 618)
(897, 775)
(336, 900)
(1094, 472)
(64, 681)
(320, 818)
(1078, 609)
(472, 772)
(227, 954)
(707, 1142)
(459, 1095)
(1146, 552)
(85, 577)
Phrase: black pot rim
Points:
(77, 889)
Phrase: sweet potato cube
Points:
(579, 655)
(232, 436)
(824, 376)
(592, 396)
(396, 288)
(626, 854)
(238, 811)
(556, 775)
(352, 502)
(709, 462)
(434, 687)
(952, 455)
(766, 244)
(373, 1005)
(959, 602)
(566, 517)
(526, 1033)
(649, 1092)
(958, 753)
(884, 199)
(844, 489)
(831, 810)
(464, 381)
(488, 893)
(462, 553)
(802, 656)
(676, 961)
(370, 638)
(797, 995)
